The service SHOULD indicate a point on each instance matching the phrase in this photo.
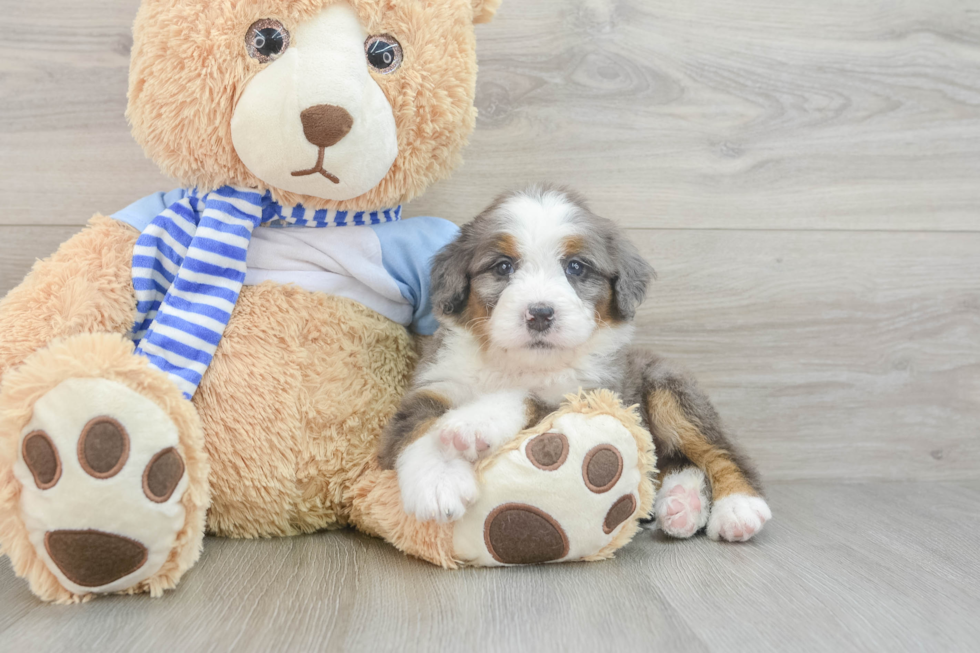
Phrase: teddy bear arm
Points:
(84, 287)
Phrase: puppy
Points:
(535, 300)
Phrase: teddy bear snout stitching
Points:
(324, 125)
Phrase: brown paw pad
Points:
(602, 467)
(547, 451)
(103, 447)
(519, 534)
(162, 474)
(41, 457)
(94, 558)
(622, 510)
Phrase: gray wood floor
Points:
(843, 567)
(805, 177)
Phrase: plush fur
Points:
(187, 75)
(285, 458)
(281, 437)
(288, 417)
(110, 357)
(378, 510)
(591, 404)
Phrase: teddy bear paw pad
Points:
(560, 495)
(102, 479)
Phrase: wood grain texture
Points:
(761, 114)
(860, 567)
(758, 114)
(831, 354)
(804, 176)
(845, 355)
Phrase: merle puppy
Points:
(536, 300)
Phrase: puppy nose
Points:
(539, 317)
(325, 124)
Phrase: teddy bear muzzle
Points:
(324, 125)
(314, 121)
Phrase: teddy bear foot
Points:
(571, 489)
(104, 491)
(101, 495)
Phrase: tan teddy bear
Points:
(223, 358)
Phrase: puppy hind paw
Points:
(681, 507)
(738, 517)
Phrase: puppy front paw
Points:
(474, 430)
(434, 487)
(737, 517)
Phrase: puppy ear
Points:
(483, 10)
(450, 275)
(633, 274)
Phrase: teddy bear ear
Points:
(483, 10)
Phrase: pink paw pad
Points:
(737, 518)
(679, 511)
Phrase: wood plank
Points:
(845, 355)
(831, 354)
(760, 114)
(881, 566)
(835, 573)
(67, 149)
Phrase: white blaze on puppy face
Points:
(325, 64)
(540, 227)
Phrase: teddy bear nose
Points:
(325, 124)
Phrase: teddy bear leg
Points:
(103, 475)
(571, 488)
(377, 510)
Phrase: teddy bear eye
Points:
(266, 40)
(384, 53)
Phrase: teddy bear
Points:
(222, 358)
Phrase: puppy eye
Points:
(575, 268)
(384, 53)
(266, 40)
(504, 268)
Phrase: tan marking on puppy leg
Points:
(535, 411)
(432, 396)
(418, 413)
(420, 429)
(429, 401)
(675, 428)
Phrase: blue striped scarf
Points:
(189, 266)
